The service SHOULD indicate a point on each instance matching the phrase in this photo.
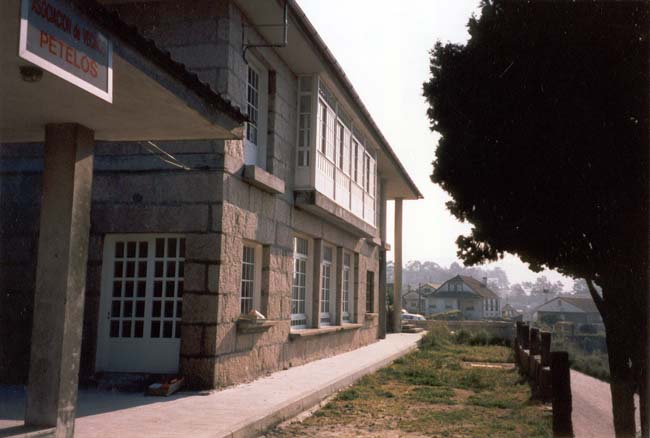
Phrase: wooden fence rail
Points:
(548, 373)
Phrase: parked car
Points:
(412, 317)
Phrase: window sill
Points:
(261, 179)
(304, 333)
(371, 316)
(246, 326)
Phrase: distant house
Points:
(414, 300)
(469, 295)
(579, 310)
(509, 312)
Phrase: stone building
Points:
(190, 237)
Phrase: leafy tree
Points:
(517, 291)
(543, 117)
(543, 285)
(580, 287)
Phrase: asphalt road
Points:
(592, 407)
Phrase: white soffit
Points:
(141, 108)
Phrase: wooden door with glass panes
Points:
(141, 303)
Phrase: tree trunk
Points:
(622, 383)
(643, 404)
(640, 367)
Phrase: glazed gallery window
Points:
(326, 286)
(257, 109)
(252, 100)
(299, 286)
(304, 120)
(345, 295)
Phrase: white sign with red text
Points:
(56, 38)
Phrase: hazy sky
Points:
(383, 47)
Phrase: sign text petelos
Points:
(55, 37)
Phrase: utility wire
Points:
(165, 156)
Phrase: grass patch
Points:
(430, 392)
(426, 394)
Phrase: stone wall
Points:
(134, 191)
(251, 214)
(20, 204)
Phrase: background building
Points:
(471, 297)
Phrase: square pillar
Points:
(316, 283)
(397, 285)
(383, 310)
(60, 278)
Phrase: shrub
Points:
(437, 335)
(480, 337)
(462, 336)
(588, 329)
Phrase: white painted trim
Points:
(102, 362)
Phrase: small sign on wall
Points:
(56, 38)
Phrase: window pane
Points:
(119, 249)
(247, 279)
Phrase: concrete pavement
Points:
(592, 407)
(239, 411)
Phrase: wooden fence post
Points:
(546, 349)
(525, 337)
(517, 343)
(534, 341)
(561, 384)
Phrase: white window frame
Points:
(255, 149)
(304, 120)
(322, 126)
(251, 282)
(300, 320)
(326, 293)
(347, 305)
(340, 145)
(148, 352)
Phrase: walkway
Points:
(239, 411)
(592, 407)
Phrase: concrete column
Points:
(60, 278)
(338, 287)
(382, 260)
(397, 277)
(315, 302)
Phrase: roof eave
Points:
(338, 72)
(205, 100)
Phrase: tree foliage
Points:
(543, 117)
(543, 123)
